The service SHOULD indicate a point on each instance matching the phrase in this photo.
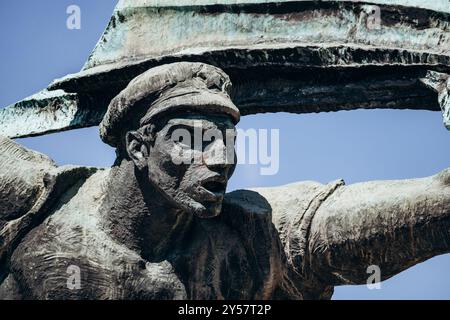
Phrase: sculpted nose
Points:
(216, 157)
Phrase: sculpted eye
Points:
(185, 141)
(182, 135)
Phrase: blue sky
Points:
(357, 145)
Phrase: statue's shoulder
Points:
(289, 202)
(290, 207)
(27, 176)
(247, 201)
(22, 178)
(30, 185)
(68, 240)
(72, 244)
(279, 202)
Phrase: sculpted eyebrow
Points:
(186, 126)
(190, 126)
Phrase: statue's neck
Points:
(138, 216)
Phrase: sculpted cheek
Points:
(188, 182)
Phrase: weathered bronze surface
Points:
(154, 228)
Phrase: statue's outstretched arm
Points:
(390, 224)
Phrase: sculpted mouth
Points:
(216, 186)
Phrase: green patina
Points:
(273, 38)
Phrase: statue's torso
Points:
(239, 255)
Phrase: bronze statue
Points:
(151, 229)
(158, 224)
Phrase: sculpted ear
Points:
(137, 149)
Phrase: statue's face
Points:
(190, 160)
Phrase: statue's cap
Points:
(160, 91)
